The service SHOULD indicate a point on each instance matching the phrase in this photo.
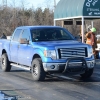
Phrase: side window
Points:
(25, 34)
(16, 35)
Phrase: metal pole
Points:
(54, 22)
(54, 9)
(54, 4)
(92, 23)
(62, 23)
(4, 3)
(82, 29)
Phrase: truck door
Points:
(14, 45)
(24, 53)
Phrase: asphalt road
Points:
(19, 84)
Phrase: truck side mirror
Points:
(24, 41)
(77, 38)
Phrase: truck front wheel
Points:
(38, 72)
(5, 63)
(87, 73)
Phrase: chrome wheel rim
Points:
(35, 70)
(3, 61)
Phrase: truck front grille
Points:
(72, 52)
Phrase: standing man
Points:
(3, 36)
(91, 39)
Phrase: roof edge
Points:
(77, 17)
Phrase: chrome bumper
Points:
(61, 66)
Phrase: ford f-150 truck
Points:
(46, 49)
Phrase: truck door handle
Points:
(10, 45)
(18, 46)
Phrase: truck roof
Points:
(38, 27)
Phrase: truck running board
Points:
(20, 66)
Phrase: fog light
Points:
(89, 64)
(92, 64)
(52, 66)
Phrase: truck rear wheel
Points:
(87, 73)
(5, 63)
(38, 72)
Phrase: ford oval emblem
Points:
(74, 53)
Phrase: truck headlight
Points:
(90, 51)
(50, 53)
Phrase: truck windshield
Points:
(50, 34)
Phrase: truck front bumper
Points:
(68, 66)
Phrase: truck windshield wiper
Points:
(56, 39)
(60, 39)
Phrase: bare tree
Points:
(14, 16)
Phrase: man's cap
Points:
(93, 29)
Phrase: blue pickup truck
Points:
(46, 49)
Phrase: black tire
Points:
(5, 63)
(87, 73)
(37, 70)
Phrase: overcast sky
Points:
(30, 3)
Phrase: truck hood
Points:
(65, 43)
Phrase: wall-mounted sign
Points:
(91, 8)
